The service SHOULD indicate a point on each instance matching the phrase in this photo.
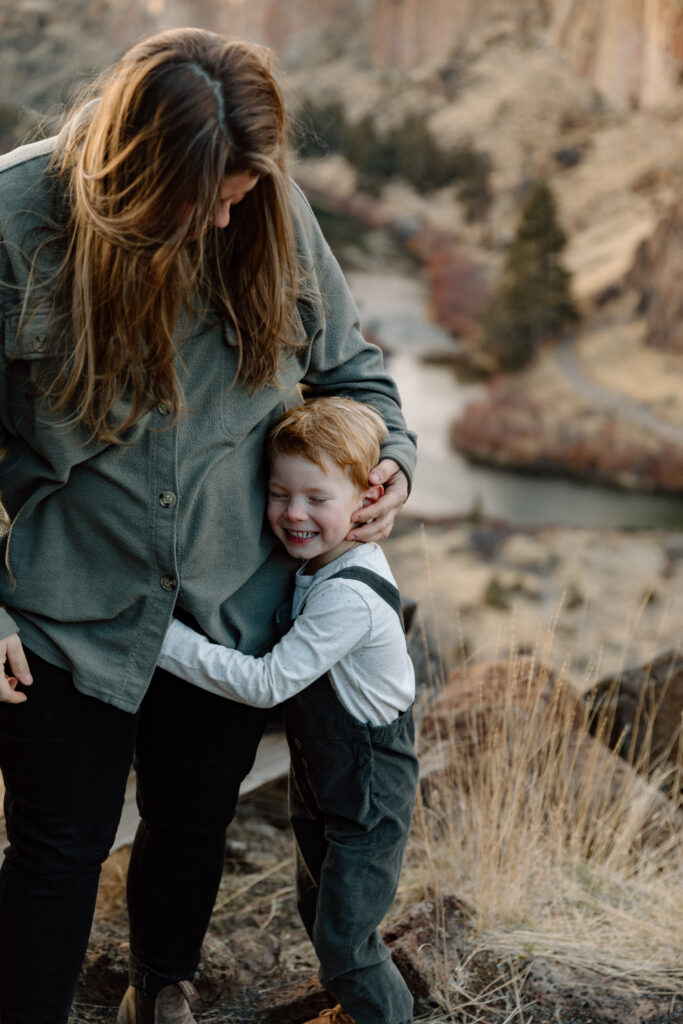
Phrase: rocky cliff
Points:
(656, 274)
(630, 49)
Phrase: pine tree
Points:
(533, 300)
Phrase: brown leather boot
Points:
(171, 1006)
(333, 1016)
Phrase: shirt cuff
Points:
(405, 460)
(176, 642)
(7, 624)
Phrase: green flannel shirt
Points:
(105, 539)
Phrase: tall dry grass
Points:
(561, 848)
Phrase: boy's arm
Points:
(318, 639)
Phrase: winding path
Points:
(629, 409)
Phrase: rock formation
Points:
(640, 711)
(631, 49)
(515, 430)
(656, 274)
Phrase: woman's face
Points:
(233, 189)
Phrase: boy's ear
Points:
(373, 494)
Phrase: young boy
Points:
(348, 685)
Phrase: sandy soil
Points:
(588, 601)
(610, 351)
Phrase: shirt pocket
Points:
(24, 349)
(26, 338)
(28, 351)
(334, 769)
(332, 757)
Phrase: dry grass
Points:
(560, 847)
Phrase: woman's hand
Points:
(12, 656)
(376, 520)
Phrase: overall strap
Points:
(381, 586)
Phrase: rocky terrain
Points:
(494, 605)
(585, 94)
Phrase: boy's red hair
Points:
(346, 432)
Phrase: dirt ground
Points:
(255, 939)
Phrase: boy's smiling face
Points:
(310, 507)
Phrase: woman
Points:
(164, 286)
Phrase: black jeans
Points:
(65, 758)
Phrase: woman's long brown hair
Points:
(141, 169)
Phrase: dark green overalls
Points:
(352, 793)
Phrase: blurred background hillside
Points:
(455, 152)
(423, 126)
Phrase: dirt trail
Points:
(626, 407)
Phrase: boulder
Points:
(427, 942)
(436, 950)
(639, 712)
(524, 715)
(104, 975)
(293, 1003)
(583, 996)
(476, 697)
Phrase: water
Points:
(392, 296)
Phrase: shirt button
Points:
(163, 408)
(167, 499)
(297, 743)
(169, 582)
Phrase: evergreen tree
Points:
(533, 300)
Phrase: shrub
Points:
(407, 151)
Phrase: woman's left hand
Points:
(376, 520)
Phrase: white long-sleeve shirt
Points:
(345, 628)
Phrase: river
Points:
(392, 296)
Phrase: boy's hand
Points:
(376, 520)
(12, 655)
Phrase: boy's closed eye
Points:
(314, 499)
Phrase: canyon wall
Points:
(656, 275)
(631, 49)
(297, 30)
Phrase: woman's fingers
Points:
(13, 658)
(374, 521)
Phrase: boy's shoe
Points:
(334, 1016)
(171, 1006)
